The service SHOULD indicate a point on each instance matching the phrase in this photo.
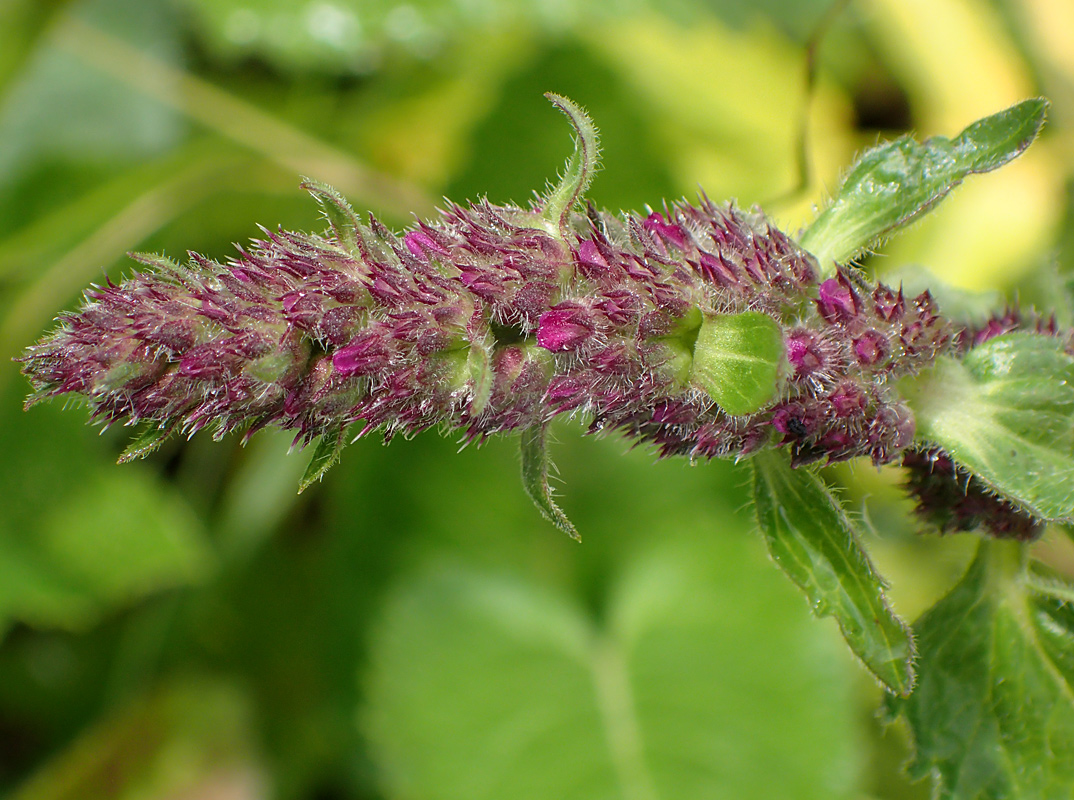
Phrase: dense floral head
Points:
(949, 499)
(700, 328)
(487, 321)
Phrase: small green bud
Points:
(738, 361)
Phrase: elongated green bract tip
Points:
(580, 167)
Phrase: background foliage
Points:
(189, 626)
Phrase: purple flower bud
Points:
(366, 354)
(564, 329)
(419, 243)
(803, 353)
(837, 301)
(848, 400)
(674, 234)
(871, 347)
(888, 305)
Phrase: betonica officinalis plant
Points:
(699, 329)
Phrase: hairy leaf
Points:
(993, 714)
(893, 184)
(1006, 413)
(812, 540)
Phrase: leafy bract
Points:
(737, 359)
(534, 449)
(581, 166)
(811, 539)
(701, 668)
(325, 455)
(147, 442)
(1006, 413)
(993, 713)
(893, 184)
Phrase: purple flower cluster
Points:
(950, 499)
(488, 320)
(842, 363)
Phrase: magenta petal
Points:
(563, 330)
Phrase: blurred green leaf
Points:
(58, 109)
(484, 686)
(1006, 413)
(993, 712)
(811, 539)
(22, 24)
(187, 739)
(80, 536)
(97, 226)
(359, 36)
(893, 184)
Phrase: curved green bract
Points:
(737, 360)
(580, 167)
(535, 479)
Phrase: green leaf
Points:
(80, 537)
(580, 166)
(58, 108)
(893, 184)
(737, 360)
(1006, 413)
(993, 713)
(813, 542)
(535, 479)
(188, 739)
(701, 668)
(325, 456)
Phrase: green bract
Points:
(1006, 413)
(737, 360)
(535, 479)
(894, 183)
